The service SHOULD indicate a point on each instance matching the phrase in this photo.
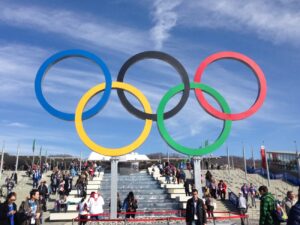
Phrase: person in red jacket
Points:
(222, 189)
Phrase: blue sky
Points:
(266, 31)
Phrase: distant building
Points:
(283, 162)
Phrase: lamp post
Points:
(245, 162)
(17, 160)
(297, 158)
(2, 157)
(228, 161)
(253, 160)
(267, 164)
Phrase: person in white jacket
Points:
(95, 205)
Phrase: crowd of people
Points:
(199, 208)
(272, 211)
(30, 211)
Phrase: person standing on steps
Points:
(195, 210)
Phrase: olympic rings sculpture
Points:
(147, 114)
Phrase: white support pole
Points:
(41, 159)
(267, 165)
(46, 156)
(197, 174)
(33, 149)
(168, 154)
(245, 162)
(113, 187)
(2, 158)
(17, 160)
(228, 160)
(253, 160)
(80, 162)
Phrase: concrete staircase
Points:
(176, 191)
(147, 191)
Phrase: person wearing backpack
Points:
(267, 207)
(280, 214)
(130, 205)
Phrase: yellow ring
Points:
(112, 151)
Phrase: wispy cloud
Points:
(74, 27)
(17, 124)
(165, 18)
(19, 64)
(275, 21)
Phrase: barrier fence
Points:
(281, 176)
(150, 216)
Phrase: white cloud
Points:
(165, 18)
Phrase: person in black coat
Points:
(43, 190)
(195, 210)
(8, 210)
(68, 183)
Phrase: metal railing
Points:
(163, 216)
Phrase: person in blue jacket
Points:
(8, 210)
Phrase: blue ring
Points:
(55, 59)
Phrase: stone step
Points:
(107, 199)
(63, 216)
(179, 186)
(133, 187)
(93, 186)
(136, 192)
(94, 182)
(132, 182)
(175, 191)
(74, 192)
(174, 196)
(152, 182)
(96, 179)
(144, 177)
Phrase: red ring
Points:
(248, 62)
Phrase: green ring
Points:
(182, 149)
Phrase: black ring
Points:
(166, 58)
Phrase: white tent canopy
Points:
(94, 156)
(133, 157)
(124, 158)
